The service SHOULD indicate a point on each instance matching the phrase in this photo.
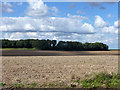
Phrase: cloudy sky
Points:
(69, 21)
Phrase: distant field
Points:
(12, 52)
(114, 49)
(18, 49)
(36, 49)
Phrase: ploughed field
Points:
(50, 66)
(54, 53)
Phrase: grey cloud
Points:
(94, 4)
(103, 8)
(60, 32)
(72, 6)
(85, 8)
(110, 2)
(80, 12)
(98, 4)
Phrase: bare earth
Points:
(40, 69)
(54, 53)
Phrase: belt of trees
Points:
(53, 45)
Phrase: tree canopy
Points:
(53, 45)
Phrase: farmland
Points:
(14, 52)
(54, 66)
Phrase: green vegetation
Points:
(19, 48)
(114, 49)
(53, 45)
(100, 80)
(18, 85)
(2, 84)
(32, 85)
(21, 85)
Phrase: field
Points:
(13, 52)
(55, 66)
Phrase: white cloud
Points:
(60, 28)
(6, 7)
(6, 4)
(99, 22)
(54, 9)
(32, 34)
(80, 12)
(76, 16)
(98, 37)
(48, 24)
(110, 29)
(88, 27)
(28, 27)
(117, 24)
(20, 3)
(109, 16)
(16, 36)
(37, 9)
(9, 10)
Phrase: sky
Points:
(68, 21)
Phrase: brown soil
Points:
(54, 53)
(40, 69)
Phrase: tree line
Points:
(54, 45)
